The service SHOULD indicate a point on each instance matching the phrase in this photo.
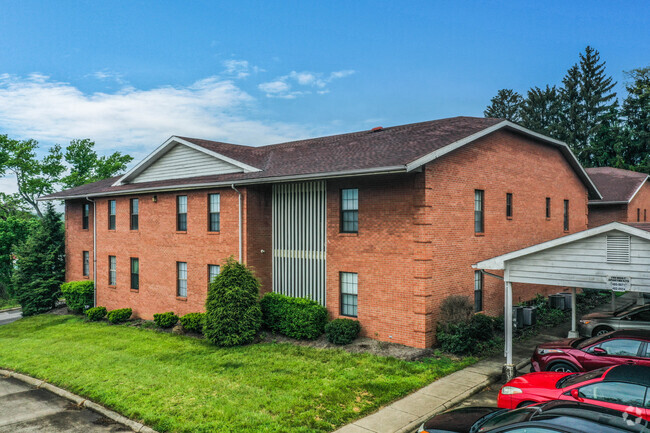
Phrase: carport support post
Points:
(573, 333)
(509, 369)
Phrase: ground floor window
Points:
(135, 273)
(213, 271)
(349, 291)
(86, 263)
(112, 270)
(478, 291)
(181, 286)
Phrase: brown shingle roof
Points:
(615, 184)
(642, 226)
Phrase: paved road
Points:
(10, 316)
(24, 409)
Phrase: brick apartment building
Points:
(380, 225)
(626, 196)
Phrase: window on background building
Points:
(181, 213)
(112, 271)
(85, 216)
(509, 205)
(86, 263)
(350, 210)
(645, 215)
(181, 285)
(135, 213)
(478, 291)
(135, 273)
(349, 291)
(214, 212)
(213, 271)
(111, 214)
(566, 215)
(548, 207)
(478, 211)
(638, 215)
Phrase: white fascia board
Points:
(163, 148)
(506, 124)
(499, 262)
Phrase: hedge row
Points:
(79, 295)
(298, 318)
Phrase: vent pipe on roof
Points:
(377, 129)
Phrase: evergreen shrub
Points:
(193, 322)
(299, 318)
(119, 316)
(165, 320)
(79, 295)
(95, 314)
(342, 331)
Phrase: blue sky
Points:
(128, 74)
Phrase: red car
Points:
(622, 387)
(585, 354)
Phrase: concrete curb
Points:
(6, 310)
(79, 401)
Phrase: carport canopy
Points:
(614, 256)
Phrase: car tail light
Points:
(509, 390)
(547, 351)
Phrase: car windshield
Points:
(577, 378)
(505, 418)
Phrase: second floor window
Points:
(135, 273)
(84, 216)
(566, 215)
(478, 211)
(548, 207)
(181, 213)
(508, 205)
(181, 284)
(213, 271)
(86, 263)
(111, 214)
(135, 212)
(350, 210)
(214, 215)
(112, 271)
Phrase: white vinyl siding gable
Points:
(181, 162)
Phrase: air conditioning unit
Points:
(518, 317)
(530, 316)
(567, 300)
(557, 301)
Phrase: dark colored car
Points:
(635, 317)
(549, 417)
(585, 354)
(623, 388)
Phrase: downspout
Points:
(240, 223)
(94, 251)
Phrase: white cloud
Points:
(106, 75)
(281, 87)
(240, 68)
(134, 120)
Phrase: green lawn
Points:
(176, 383)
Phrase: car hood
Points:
(459, 420)
(544, 379)
(567, 343)
(598, 315)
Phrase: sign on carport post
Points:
(618, 283)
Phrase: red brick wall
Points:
(603, 214)
(258, 234)
(77, 240)
(640, 201)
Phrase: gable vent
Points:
(618, 249)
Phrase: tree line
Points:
(585, 113)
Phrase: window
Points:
(349, 290)
(84, 216)
(181, 285)
(627, 394)
(214, 212)
(548, 207)
(621, 347)
(181, 213)
(86, 263)
(112, 271)
(349, 211)
(566, 215)
(478, 291)
(213, 271)
(645, 214)
(478, 211)
(508, 205)
(111, 214)
(638, 215)
(135, 273)
(135, 212)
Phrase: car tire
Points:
(601, 330)
(562, 367)
(526, 403)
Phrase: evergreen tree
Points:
(40, 265)
(636, 110)
(609, 145)
(540, 111)
(506, 105)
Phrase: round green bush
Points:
(96, 314)
(79, 295)
(467, 338)
(165, 320)
(342, 331)
(233, 316)
(299, 318)
(193, 322)
(119, 316)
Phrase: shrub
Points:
(96, 314)
(119, 316)
(456, 309)
(79, 295)
(298, 318)
(165, 320)
(233, 316)
(193, 322)
(342, 331)
(467, 338)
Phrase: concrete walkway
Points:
(406, 415)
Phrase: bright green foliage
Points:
(342, 331)
(193, 322)
(233, 316)
(180, 384)
(13, 231)
(165, 320)
(96, 314)
(464, 338)
(40, 265)
(119, 316)
(79, 295)
(299, 318)
(506, 105)
(86, 166)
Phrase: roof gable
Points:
(616, 185)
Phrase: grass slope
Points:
(181, 384)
